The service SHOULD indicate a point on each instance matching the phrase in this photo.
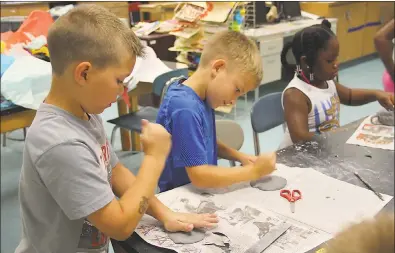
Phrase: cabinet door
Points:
(386, 11)
(372, 25)
(351, 20)
(338, 12)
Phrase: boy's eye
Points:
(237, 90)
(119, 81)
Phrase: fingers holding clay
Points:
(269, 183)
(194, 236)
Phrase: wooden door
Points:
(351, 20)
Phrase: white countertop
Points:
(284, 28)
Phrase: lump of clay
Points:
(270, 183)
(384, 118)
(187, 237)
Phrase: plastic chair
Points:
(230, 133)
(132, 121)
(266, 113)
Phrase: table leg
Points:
(125, 134)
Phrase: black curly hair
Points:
(308, 42)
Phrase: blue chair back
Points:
(160, 81)
(266, 113)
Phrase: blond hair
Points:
(241, 52)
(90, 33)
(369, 236)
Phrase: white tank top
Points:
(325, 107)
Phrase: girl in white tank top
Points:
(311, 101)
(325, 107)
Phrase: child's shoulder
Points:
(182, 98)
(50, 130)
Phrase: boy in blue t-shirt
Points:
(230, 66)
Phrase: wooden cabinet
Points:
(121, 9)
(377, 14)
(357, 24)
(22, 9)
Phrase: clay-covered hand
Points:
(247, 159)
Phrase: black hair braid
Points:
(310, 47)
(284, 53)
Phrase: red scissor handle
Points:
(291, 197)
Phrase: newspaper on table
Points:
(247, 214)
(374, 135)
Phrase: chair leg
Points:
(24, 133)
(112, 139)
(232, 163)
(256, 144)
(4, 139)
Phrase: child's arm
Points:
(189, 150)
(384, 46)
(228, 153)
(296, 111)
(355, 97)
(209, 176)
(119, 218)
(123, 179)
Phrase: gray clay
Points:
(384, 118)
(187, 237)
(270, 183)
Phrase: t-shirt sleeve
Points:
(189, 148)
(75, 179)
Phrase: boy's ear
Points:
(81, 73)
(218, 65)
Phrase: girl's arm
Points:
(296, 111)
(384, 46)
(354, 97)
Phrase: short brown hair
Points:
(90, 33)
(235, 47)
(369, 236)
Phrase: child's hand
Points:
(155, 139)
(247, 159)
(386, 99)
(185, 222)
(264, 165)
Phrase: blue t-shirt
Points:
(191, 122)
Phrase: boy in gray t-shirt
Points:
(70, 175)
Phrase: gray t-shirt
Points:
(66, 176)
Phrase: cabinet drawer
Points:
(121, 12)
(110, 4)
(7, 11)
(270, 47)
(25, 10)
(271, 68)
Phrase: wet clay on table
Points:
(270, 183)
(187, 237)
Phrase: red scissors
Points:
(292, 197)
